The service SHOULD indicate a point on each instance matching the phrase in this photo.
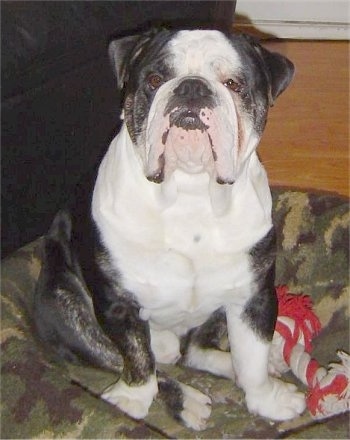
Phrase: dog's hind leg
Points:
(63, 311)
(203, 348)
(66, 321)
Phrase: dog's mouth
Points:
(186, 143)
(187, 119)
(194, 135)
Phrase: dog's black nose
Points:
(193, 88)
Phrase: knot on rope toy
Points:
(331, 395)
(296, 326)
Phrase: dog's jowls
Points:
(176, 242)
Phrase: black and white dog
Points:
(178, 238)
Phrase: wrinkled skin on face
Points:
(197, 100)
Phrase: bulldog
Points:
(176, 247)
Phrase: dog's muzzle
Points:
(190, 96)
(189, 132)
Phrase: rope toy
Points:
(328, 388)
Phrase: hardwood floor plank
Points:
(306, 142)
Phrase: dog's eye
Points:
(233, 85)
(154, 81)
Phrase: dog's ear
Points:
(279, 69)
(123, 51)
(119, 51)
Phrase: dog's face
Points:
(196, 100)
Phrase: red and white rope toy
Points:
(328, 388)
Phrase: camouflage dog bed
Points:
(43, 398)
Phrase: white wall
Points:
(320, 19)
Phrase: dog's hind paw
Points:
(196, 408)
(133, 400)
(276, 400)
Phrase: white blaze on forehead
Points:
(207, 53)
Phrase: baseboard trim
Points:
(296, 29)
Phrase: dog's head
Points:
(196, 100)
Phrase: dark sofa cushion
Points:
(41, 39)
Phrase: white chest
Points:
(185, 275)
(183, 261)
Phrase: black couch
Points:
(60, 105)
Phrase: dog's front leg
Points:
(249, 337)
(137, 387)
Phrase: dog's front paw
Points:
(196, 408)
(133, 400)
(276, 400)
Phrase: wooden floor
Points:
(306, 142)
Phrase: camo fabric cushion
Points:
(43, 398)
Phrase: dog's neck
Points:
(198, 185)
(122, 174)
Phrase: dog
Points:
(177, 245)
